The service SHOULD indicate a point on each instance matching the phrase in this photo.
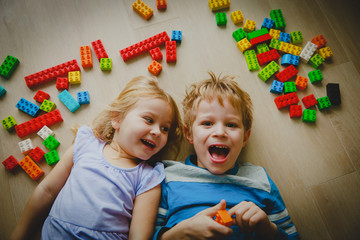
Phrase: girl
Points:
(106, 185)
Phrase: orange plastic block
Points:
(86, 57)
(144, 10)
(320, 41)
(223, 217)
(301, 82)
(161, 4)
(155, 68)
(30, 167)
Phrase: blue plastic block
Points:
(289, 59)
(27, 107)
(277, 87)
(83, 97)
(2, 91)
(176, 36)
(68, 101)
(268, 23)
(284, 37)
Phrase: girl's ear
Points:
(246, 137)
(115, 123)
(188, 135)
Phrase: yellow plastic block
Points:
(243, 45)
(237, 17)
(218, 4)
(74, 77)
(275, 34)
(289, 48)
(249, 25)
(144, 10)
(325, 53)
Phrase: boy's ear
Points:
(188, 135)
(246, 137)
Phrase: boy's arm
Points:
(41, 200)
(144, 214)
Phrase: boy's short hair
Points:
(220, 88)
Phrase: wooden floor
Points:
(316, 166)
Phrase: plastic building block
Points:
(296, 37)
(260, 39)
(47, 106)
(289, 87)
(284, 37)
(10, 163)
(275, 34)
(223, 217)
(51, 143)
(144, 10)
(68, 101)
(289, 59)
(30, 167)
(257, 33)
(74, 77)
(333, 92)
(325, 53)
(268, 23)
(27, 107)
(243, 45)
(155, 68)
(221, 18)
(8, 66)
(144, 46)
(287, 74)
(99, 49)
(161, 4)
(9, 123)
(83, 97)
(37, 154)
(156, 54)
(218, 4)
(295, 111)
(289, 48)
(301, 82)
(274, 43)
(316, 60)
(36, 124)
(249, 25)
(52, 157)
(176, 36)
(323, 103)
(26, 146)
(268, 71)
(309, 101)
(45, 132)
(262, 47)
(315, 76)
(40, 96)
(320, 41)
(278, 18)
(286, 100)
(51, 74)
(170, 48)
(62, 83)
(309, 116)
(237, 17)
(2, 91)
(266, 57)
(251, 60)
(86, 57)
(277, 87)
(308, 51)
(239, 34)
(105, 64)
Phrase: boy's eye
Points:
(231, 125)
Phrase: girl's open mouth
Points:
(148, 143)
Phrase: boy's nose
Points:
(219, 130)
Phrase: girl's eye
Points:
(149, 120)
(165, 129)
(206, 123)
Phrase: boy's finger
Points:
(211, 212)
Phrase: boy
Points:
(218, 118)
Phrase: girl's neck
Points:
(115, 156)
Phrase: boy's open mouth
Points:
(219, 153)
(148, 143)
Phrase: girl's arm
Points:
(144, 214)
(41, 200)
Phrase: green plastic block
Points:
(289, 87)
(257, 33)
(47, 105)
(268, 71)
(309, 116)
(315, 76)
(251, 60)
(221, 18)
(8, 66)
(278, 18)
(105, 64)
(275, 43)
(51, 143)
(9, 123)
(316, 60)
(239, 34)
(262, 47)
(296, 37)
(323, 103)
(52, 157)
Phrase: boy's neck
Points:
(192, 160)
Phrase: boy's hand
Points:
(250, 218)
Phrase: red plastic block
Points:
(51, 74)
(156, 54)
(37, 154)
(309, 101)
(62, 83)
(295, 111)
(86, 57)
(286, 100)
(224, 218)
(266, 57)
(260, 39)
(30, 167)
(144, 46)
(161, 5)
(40, 96)
(99, 49)
(155, 68)
(35, 124)
(286, 74)
(170, 47)
(320, 41)
(10, 163)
